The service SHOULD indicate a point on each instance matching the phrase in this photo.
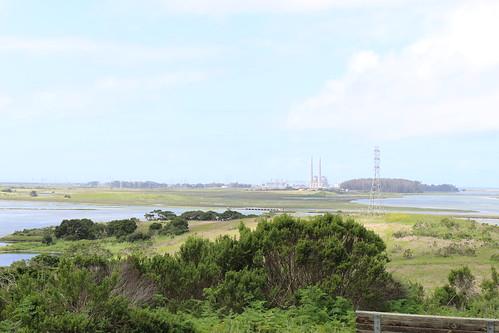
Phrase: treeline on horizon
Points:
(157, 185)
(396, 185)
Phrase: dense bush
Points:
(137, 237)
(120, 228)
(76, 229)
(66, 296)
(176, 226)
(155, 226)
(276, 260)
(456, 249)
(408, 254)
(452, 229)
(79, 229)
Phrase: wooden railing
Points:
(379, 322)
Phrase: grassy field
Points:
(290, 200)
(425, 258)
(190, 198)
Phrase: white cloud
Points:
(221, 7)
(447, 82)
(101, 50)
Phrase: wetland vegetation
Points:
(204, 271)
(269, 274)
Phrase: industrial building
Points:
(319, 181)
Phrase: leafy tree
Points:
(76, 229)
(341, 256)
(160, 215)
(199, 215)
(231, 215)
(120, 228)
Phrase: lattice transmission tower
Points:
(375, 206)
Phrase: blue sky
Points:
(220, 90)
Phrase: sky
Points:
(247, 91)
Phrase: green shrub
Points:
(155, 226)
(455, 229)
(456, 249)
(138, 237)
(237, 290)
(408, 254)
(76, 229)
(340, 256)
(176, 226)
(47, 239)
(120, 228)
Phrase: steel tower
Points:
(375, 196)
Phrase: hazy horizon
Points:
(199, 91)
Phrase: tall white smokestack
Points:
(320, 173)
(311, 172)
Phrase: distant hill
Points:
(397, 186)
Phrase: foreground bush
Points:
(276, 260)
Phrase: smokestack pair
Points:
(315, 182)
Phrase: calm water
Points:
(484, 203)
(6, 259)
(18, 215)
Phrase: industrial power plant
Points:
(319, 181)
